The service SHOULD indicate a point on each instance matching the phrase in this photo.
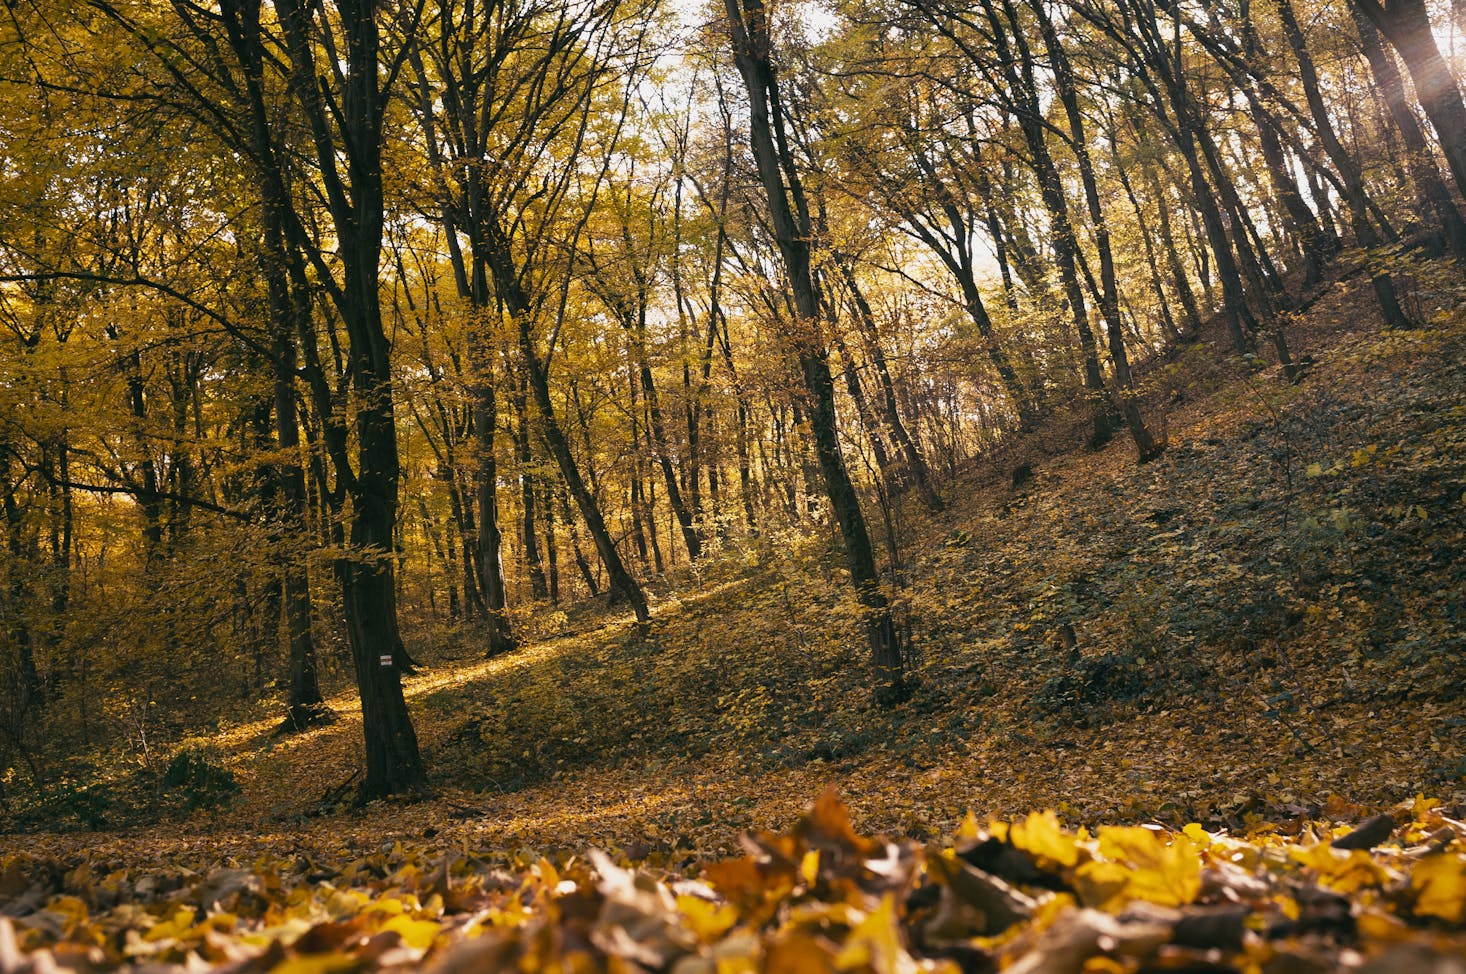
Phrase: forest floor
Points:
(1269, 622)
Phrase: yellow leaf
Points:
(316, 964)
(1100, 883)
(1379, 926)
(417, 934)
(1160, 873)
(1440, 886)
(1340, 870)
(875, 942)
(707, 919)
(809, 867)
(796, 952)
(387, 905)
(1041, 835)
(174, 928)
(1198, 835)
(70, 907)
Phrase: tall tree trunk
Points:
(1168, 320)
(1018, 71)
(465, 526)
(910, 452)
(528, 538)
(1406, 24)
(784, 198)
(619, 578)
(18, 592)
(490, 540)
(352, 130)
(1301, 224)
(740, 432)
(586, 574)
(657, 431)
(290, 313)
(1434, 195)
(1182, 125)
(1146, 445)
(636, 500)
(867, 421)
(306, 706)
(1348, 168)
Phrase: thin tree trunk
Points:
(585, 573)
(910, 452)
(867, 421)
(620, 579)
(490, 541)
(1348, 169)
(1146, 445)
(531, 549)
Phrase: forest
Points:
(693, 486)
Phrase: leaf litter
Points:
(1026, 895)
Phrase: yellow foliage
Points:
(1145, 866)
(1439, 883)
(1344, 871)
(1041, 835)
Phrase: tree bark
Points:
(1348, 169)
(910, 451)
(353, 131)
(1146, 445)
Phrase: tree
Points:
(793, 231)
(343, 109)
(1406, 23)
(517, 86)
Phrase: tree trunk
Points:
(1146, 445)
(1182, 126)
(784, 198)
(1348, 169)
(1434, 195)
(619, 578)
(1019, 73)
(910, 452)
(657, 431)
(528, 538)
(353, 132)
(867, 421)
(1406, 24)
(490, 540)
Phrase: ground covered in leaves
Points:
(1021, 896)
(1267, 624)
